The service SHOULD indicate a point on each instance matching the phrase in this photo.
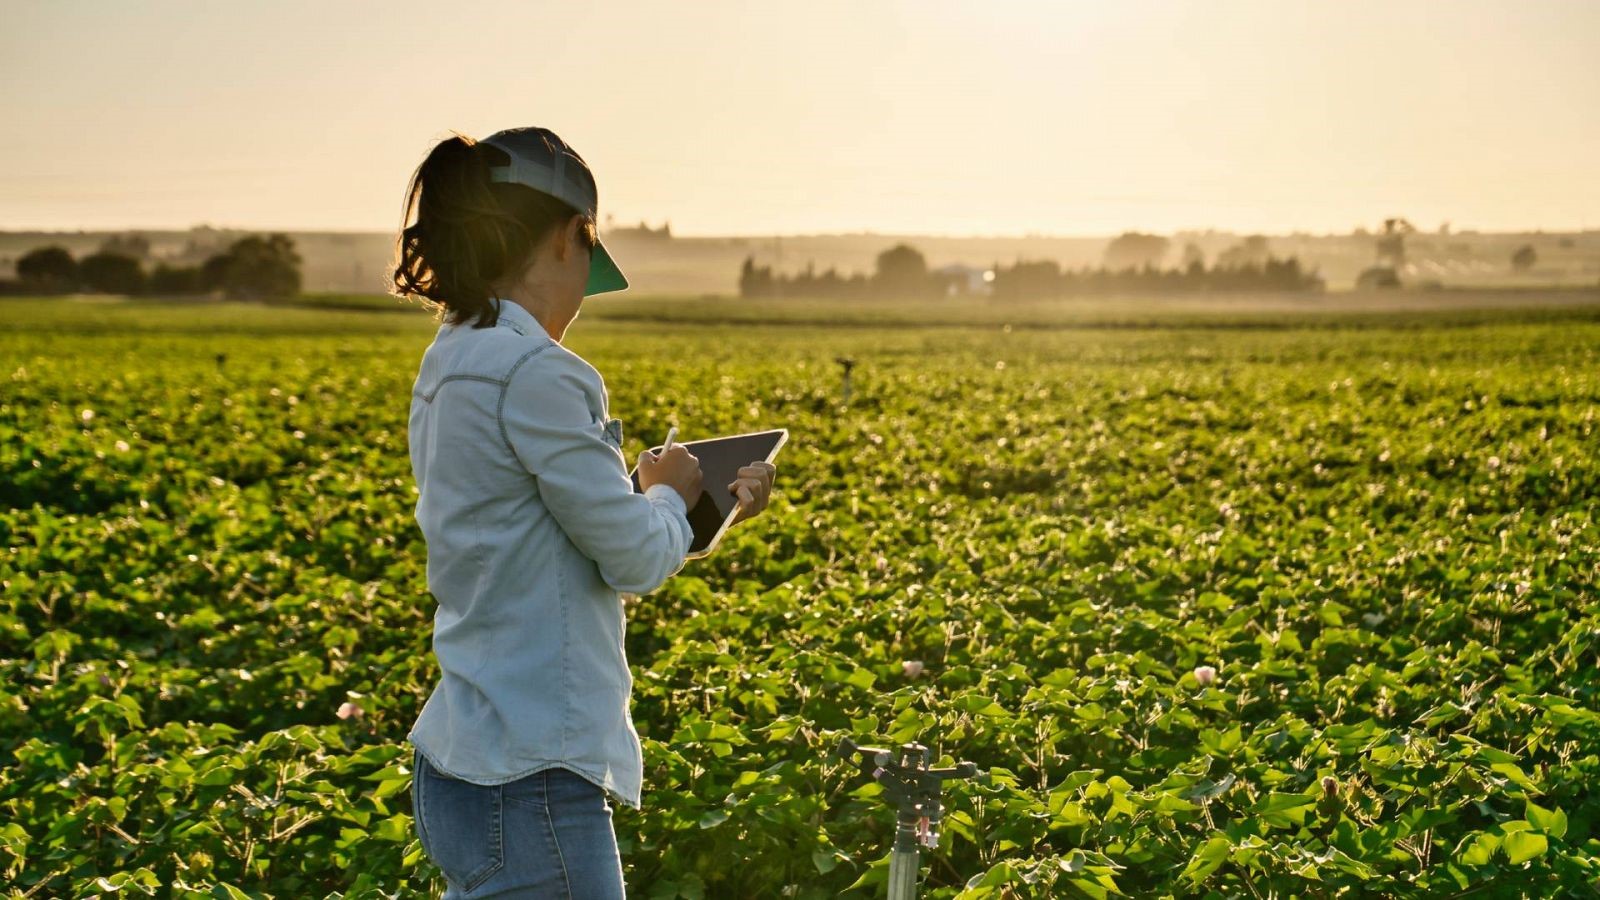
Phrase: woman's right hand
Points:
(677, 467)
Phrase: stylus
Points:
(671, 433)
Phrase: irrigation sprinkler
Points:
(915, 791)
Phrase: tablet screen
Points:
(721, 458)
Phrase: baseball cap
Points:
(544, 162)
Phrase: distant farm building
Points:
(960, 279)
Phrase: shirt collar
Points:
(518, 319)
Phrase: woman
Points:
(531, 523)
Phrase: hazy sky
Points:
(751, 117)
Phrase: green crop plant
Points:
(1262, 608)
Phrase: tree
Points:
(1135, 250)
(111, 273)
(214, 271)
(754, 280)
(1028, 280)
(176, 280)
(902, 270)
(1524, 258)
(256, 268)
(48, 269)
(1254, 251)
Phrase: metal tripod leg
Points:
(905, 859)
(903, 866)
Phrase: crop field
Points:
(1263, 607)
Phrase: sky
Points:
(928, 117)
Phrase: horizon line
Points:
(1297, 232)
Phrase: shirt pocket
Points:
(613, 433)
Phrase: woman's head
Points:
(477, 235)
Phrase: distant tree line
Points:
(1132, 266)
(901, 271)
(252, 268)
(1045, 279)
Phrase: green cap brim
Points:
(604, 276)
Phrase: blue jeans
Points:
(544, 835)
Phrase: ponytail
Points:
(469, 232)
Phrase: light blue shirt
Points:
(533, 528)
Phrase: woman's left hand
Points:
(753, 487)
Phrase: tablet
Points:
(721, 458)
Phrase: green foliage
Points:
(255, 268)
(111, 273)
(48, 269)
(176, 281)
(1382, 541)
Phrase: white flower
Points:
(1205, 675)
(911, 668)
(1494, 462)
(86, 415)
(880, 563)
(122, 446)
(348, 710)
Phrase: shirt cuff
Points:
(670, 492)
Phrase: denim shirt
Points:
(532, 528)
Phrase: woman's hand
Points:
(676, 467)
(753, 487)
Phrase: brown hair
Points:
(470, 231)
